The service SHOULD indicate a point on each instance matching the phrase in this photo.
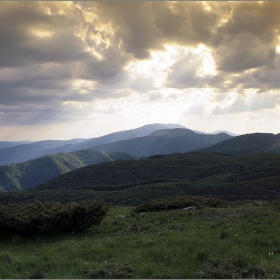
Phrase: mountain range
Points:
(28, 174)
(8, 144)
(24, 152)
(164, 141)
(143, 142)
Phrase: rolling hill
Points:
(22, 153)
(7, 144)
(164, 141)
(25, 152)
(28, 174)
(230, 177)
(248, 144)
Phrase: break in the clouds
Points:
(95, 67)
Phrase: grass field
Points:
(241, 241)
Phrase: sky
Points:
(86, 69)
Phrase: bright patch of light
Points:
(83, 86)
(225, 18)
(73, 104)
(277, 48)
(93, 52)
(229, 100)
(42, 33)
(206, 6)
(157, 67)
(208, 63)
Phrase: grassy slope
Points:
(31, 173)
(204, 243)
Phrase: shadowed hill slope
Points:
(192, 167)
(164, 141)
(248, 144)
(31, 173)
(231, 177)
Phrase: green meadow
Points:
(230, 240)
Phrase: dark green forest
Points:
(130, 183)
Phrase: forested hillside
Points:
(248, 144)
(230, 177)
(28, 174)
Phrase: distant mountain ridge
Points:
(248, 144)
(164, 141)
(8, 144)
(22, 153)
(28, 174)
(217, 132)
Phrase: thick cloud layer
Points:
(59, 60)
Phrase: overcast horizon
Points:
(86, 69)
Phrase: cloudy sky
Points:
(85, 69)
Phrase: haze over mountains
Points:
(7, 144)
(164, 141)
(34, 150)
(62, 156)
(30, 173)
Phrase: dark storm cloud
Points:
(20, 45)
(146, 26)
(249, 37)
(41, 57)
(242, 52)
(46, 47)
(264, 78)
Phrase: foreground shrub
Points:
(51, 217)
(176, 202)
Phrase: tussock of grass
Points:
(111, 270)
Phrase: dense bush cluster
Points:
(180, 202)
(50, 217)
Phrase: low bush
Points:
(50, 217)
(176, 202)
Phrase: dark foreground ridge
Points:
(131, 183)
